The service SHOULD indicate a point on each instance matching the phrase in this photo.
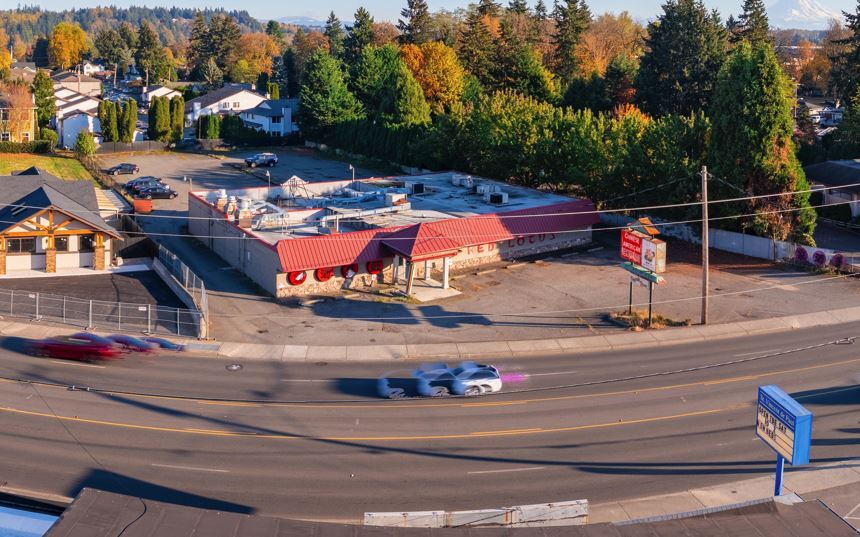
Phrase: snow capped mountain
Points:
(302, 21)
(803, 14)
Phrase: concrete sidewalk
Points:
(486, 349)
(835, 484)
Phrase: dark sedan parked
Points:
(124, 169)
(129, 186)
(142, 186)
(158, 192)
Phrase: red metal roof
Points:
(431, 238)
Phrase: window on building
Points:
(86, 243)
(21, 245)
(4, 114)
(61, 244)
(237, 104)
(225, 105)
(25, 136)
(276, 119)
(5, 137)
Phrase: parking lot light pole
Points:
(352, 169)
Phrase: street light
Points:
(269, 178)
(352, 169)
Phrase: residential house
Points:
(226, 100)
(17, 116)
(51, 224)
(75, 113)
(839, 179)
(25, 71)
(150, 92)
(91, 68)
(275, 117)
(77, 82)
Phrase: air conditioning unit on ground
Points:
(496, 198)
(416, 188)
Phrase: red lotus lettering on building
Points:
(297, 278)
(375, 266)
(348, 271)
(324, 274)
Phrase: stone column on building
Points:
(395, 271)
(99, 253)
(446, 267)
(2, 255)
(50, 255)
(426, 271)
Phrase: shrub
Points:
(85, 145)
(801, 255)
(49, 135)
(819, 258)
(837, 261)
(38, 146)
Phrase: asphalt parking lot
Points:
(144, 287)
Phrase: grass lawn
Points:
(62, 167)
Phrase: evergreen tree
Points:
(733, 26)
(211, 74)
(847, 136)
(325, 97)
(274, 30)
(845, 73)
(85, 145)
(43, 92)
(199, 50)
(110, 131)
(289, 74)
(274, 90)
(360, 35)
(415, 24)
(410, 106)
(177, 118)
(477, 48)
(128, 35)
(129, 121)
(572, 18)
(335, 35)
(753, 23)
(540, 11)
(752, 146)
(163, 120)
(149, 55)
(520, 7)
(685, 49)
(262, 83)
(488, 8)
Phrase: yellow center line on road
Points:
(228, 403)
(287, 436)
(734, 379)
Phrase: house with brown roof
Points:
(77, 82)
(50, 224)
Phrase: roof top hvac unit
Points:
(416, 188)
(487, 188)
(496, 198)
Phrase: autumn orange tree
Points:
(21, 117)
(67, 45)
(608, 37)
(258, 49)
(438, 72)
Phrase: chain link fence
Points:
(192, 283)
(97, 314)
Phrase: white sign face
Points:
(775, 433)
(649, 256)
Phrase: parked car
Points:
(124, 169)
(145, 185)
(165, 344)
(262, 159)
(162, 192)
(129, 186)
(131, 344)
(75, 347)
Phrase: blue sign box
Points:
(783, 424)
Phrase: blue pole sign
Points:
(785, 426)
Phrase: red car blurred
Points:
(76, 347)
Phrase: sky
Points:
(390, 9)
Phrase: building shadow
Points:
(146, 490)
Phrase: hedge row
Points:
(37, 146)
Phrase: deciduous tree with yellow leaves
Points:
(67, 45)
(438, 71)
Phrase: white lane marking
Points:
(305, 380)
(79, 364)
(756, 352)
(191, 468)
(547, 374)
(510, 470)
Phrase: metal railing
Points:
(98, 314)
(192, 283)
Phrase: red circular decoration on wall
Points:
(348, 271)
(375, 267)
(297, 278)
(324, 274)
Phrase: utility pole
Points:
(705, 232)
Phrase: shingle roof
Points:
(439, 238)
(269, 108)
(23, 65)
(65, 76)
(34, 189)
(835, 173)
(214, 96)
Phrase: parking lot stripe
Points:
(529, 469)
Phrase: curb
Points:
(487, 349)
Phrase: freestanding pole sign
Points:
(785, 426)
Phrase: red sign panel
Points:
(631, 247)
